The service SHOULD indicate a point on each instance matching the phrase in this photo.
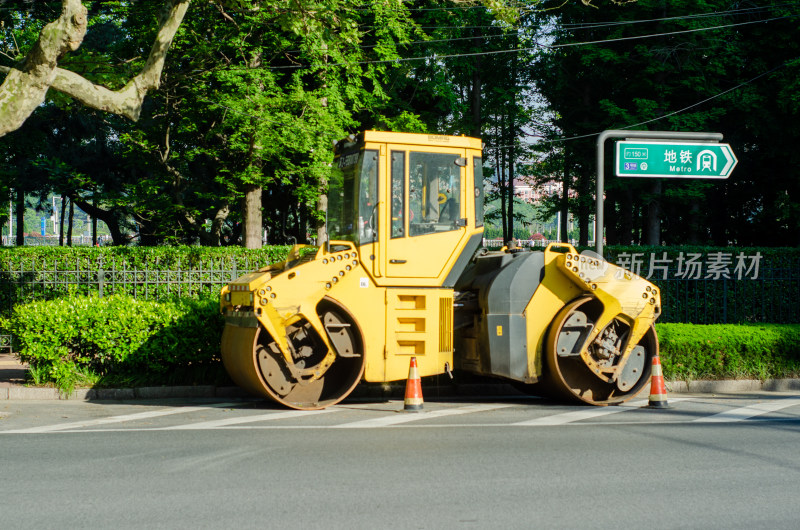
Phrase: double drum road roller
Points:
(402, 274)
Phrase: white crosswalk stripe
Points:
(582, 414)
(227, 422)
(750, 411)
(396, 419)
(589, 413)
(390, 414)
(117, 419)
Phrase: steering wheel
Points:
(370, 224)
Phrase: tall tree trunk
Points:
(511, 183)
(294, 212)
(512, 136)
(565, 183)
(611, 229)
(652, 235)
(584, 208)
(69, 223)
(626, 217)
(214, 238)
(109, 217)
(475, 93)
(20, 217)
(252, 217)
(503, 185)
(322, 206)
(498, 164)
(94, 224)
(719, 222)
(61, 221)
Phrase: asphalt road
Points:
(708, 462)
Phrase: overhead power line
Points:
(539, 46)
(673, 113)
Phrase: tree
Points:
(691, 65)
(249, 101)
(258, 96)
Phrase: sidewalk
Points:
(12, 371)
(12, 387)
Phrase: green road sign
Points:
(675, 159)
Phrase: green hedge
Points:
(119, 341)
(67, 258)
(729, 351)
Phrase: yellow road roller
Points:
(403, 273)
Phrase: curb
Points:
(121, 394)
(733, 386)
(374, 390)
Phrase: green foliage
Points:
(251, 95)
(688, 65)
(253, 92)
(167, 257)
(80, 340)
(758, 351)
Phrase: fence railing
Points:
(49, 281)
(51, 241)
(772, 294)
(772, 297)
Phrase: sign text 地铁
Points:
(674, 159)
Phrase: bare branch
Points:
(24, 90)
(128, 100)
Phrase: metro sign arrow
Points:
(730, 161)
(670, 159)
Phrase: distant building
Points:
(534, 194)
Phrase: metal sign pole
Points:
(618, 133)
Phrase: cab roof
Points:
(433, 140)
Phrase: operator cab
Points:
(412, 203)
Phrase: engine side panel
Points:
(501, 285)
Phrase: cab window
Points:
(398, 193)
(477, 164)
(353, 198)
(434, 193)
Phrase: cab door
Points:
(427, 210)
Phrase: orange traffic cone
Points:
(658, 392)
(413, 402)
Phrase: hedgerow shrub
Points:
(139, 257)
(721, 351)
(119, 340)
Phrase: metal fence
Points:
(48, 281)
(52, 241)
(773, 295)
(725, 286)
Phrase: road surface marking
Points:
(395, 419)
(116, 419)
(589, 413)
(583, 414)
(215, 424)
(750, 411)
